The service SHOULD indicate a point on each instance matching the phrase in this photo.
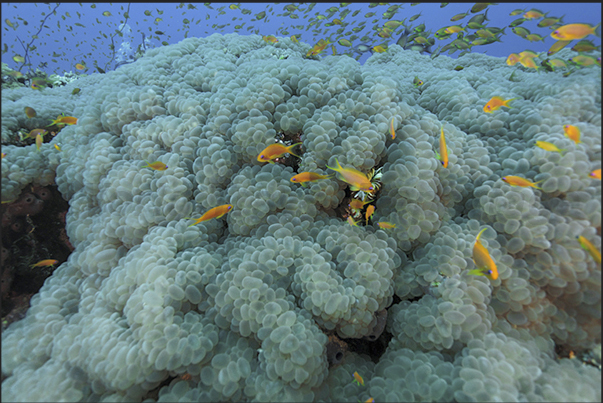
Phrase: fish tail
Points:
(597, 30)
(506, 103)
(535, 183)
(338, 166)
(480, 234)
(291, 147)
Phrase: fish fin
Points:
(437, 155)
(476, 272)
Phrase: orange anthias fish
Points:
(570, 32)
(392, 130)
(484, 263)
(270, 39)
(358, 379)
(356, 179)
(443, 157)
(215, 212)
(512, 59)
(596, 174)
(64, 120)
(572, 133)
(47, 262)
(157, 165)
(303, 177)
(496, 102)
(357, 204)
(319, 47)
(590, 248)
(273, 151)
(526, 58)
(386, 225)
(369, 212)
(519, 181)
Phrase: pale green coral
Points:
(240, 307)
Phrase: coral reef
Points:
(281, 299)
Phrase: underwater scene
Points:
(302, 202)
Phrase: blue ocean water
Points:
(56, 36)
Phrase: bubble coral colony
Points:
(281, 299)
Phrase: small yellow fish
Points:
(64, 120)
(570, 32)
(57, 147)
(526, 59)
(358, 379)
(356, 179)
(586, 60)
(590, 248)
(519, 181)
(417, 82)
(38, 83)
(379, 49)
(386, 225)
(453, 29)
(3, 155)
(39, 141)
(557, 46)
(369, 212)
(215, 212)
(352, 222)
(47, 262)
(273, 151)
(157, 165)
(572, 133)
(596, 174)
(533, 14)
(30, 112)
(496, 102)
(80, 66)
(294, 39)
(308, 177)
(370, 400)
(107, 14)
(32, 134)
(545, 145)
(443, 150)
(392, 131)
(483, 261)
